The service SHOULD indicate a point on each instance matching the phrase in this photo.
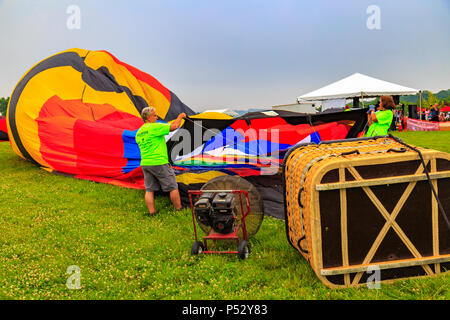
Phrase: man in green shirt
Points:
(158, 173)
(380, 121)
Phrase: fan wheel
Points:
(243, 249)
(197, 248)
(254, 219)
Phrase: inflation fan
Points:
(226, 208)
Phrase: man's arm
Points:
(177, 122)
(373, 116)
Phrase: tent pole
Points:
(420, 104)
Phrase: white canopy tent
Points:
(358, 86)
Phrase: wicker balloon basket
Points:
(358, 206)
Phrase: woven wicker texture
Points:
(343, 199)
(302, 165)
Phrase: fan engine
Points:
(217, 211)
(226, 208)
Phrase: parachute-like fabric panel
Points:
(253, 146)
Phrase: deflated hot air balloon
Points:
(253, 147)
(78, 111)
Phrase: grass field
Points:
(50, 222)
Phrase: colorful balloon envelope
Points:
(78, 111)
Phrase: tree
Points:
(3, 105)
(431, 99)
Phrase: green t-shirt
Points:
(152, 143)
(381, 127)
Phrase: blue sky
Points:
(238, 53)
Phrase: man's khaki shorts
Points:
(160, 177)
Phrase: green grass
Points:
(50, 222)
(438, 140)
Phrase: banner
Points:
(420, 125)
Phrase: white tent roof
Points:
(358, 85)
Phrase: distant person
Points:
(158, 173)
(435, 113)
(347, 108)
(422, 115)
(380, 121)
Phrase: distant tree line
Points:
(442, 98)
(3, 105)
